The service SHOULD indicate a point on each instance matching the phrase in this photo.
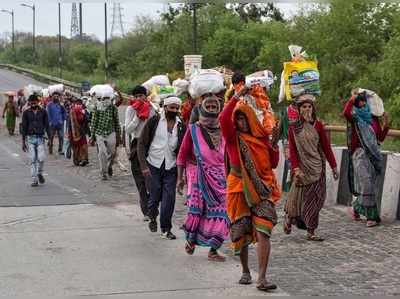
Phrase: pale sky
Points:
(93, 15)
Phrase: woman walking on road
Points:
(79, 130)
(10, 112)
(252, 189)
(364, 134)
(206, 223)
(309, 149)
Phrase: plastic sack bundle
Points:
(374, 101)
(159, 80)
(207, 81)
(301, 78)
(181, 86)
(32, 89)
(102, 91)
(262, 78)
(55, 88)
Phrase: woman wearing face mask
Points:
(206, 222)
(309, 149)
(364, 134)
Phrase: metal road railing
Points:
(76, 87)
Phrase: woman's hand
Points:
(180, 184)
(335, 174)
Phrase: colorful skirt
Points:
(204, 225)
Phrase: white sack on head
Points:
(45, 93)
(31, 89)
(57, 88)
(263, 78)
(159, 80)
(375, 102)
(207, 81)
(181, 86)
(102, 91)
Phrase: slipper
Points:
(266, 286)
(372, 223)
(315, 238)
(353, 215)
(245, 279)
(287, 227)
(216, 257)
(189, 248)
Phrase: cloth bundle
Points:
(181, 86)
(207, 81)
(102, 91)
(59, 88)
(374, 101)
(262, 78)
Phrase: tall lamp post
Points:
(105, 42)
(33, 30)
(59, 41)
(11, 12)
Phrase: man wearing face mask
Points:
(157, 150)
(57, 116)
(34, 126)
(105, 132)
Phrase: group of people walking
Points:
(225, 152)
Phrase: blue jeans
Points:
(162, 185)
(36, 154)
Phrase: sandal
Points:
(189, 248)
(287, 226)
(372, 223)
(245, 279)
(353, 215)
(216, 257)
(266, 286)
(315, 238)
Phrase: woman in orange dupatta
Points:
(252, 189)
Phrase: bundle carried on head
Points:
(32, 89)
(101, 91)
(56, 88)
(263, 78)
(374, 101)
(207, 81)
(181, 86)
(299, 76)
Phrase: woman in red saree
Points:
(79, 125)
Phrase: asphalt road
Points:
(76, 235)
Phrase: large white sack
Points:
(159, 80)
(56, 88)
(102, 91)
(31, 89)
(207, 81)
(181, 86)
(375, 102)
(263, 78)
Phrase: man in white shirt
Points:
(136, 116)
(157, 150)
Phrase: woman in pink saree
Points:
(202, 154)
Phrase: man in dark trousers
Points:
(57, 116)
(157, 150)
(34, 127)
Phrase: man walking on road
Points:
(106, 132)
(57, 116)
(136, 116)
(157, 150)
(34, 126)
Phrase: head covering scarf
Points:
(209, 123)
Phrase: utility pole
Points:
(59, 41)
(80, 21)
(34, 25)
(105, 43)
(11, 12)
(194, 7)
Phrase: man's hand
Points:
(24, 146)
(146, 173)
(92, 142)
